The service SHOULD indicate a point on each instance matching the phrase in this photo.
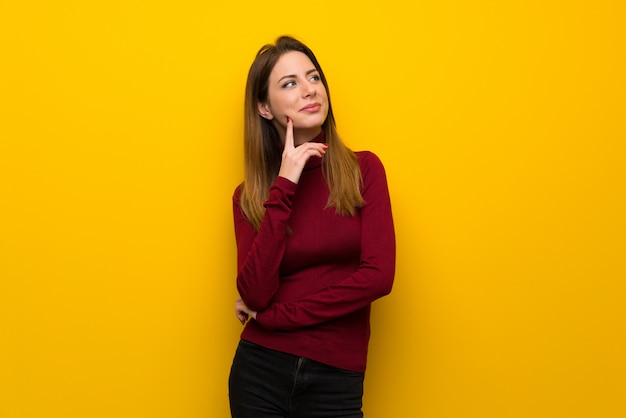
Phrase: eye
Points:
(289, 84)
(315, 78)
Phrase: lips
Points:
(311, 108)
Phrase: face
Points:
(296, 91)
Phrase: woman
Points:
(315, 246)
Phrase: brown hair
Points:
(263, 147)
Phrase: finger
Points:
(243, 317)
(289, 144)
(309, 150)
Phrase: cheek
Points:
(323, 93)
(282, 101)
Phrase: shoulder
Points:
(369, 162)
(237, 192)
(367, 158)
(373, 175)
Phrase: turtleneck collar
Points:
(315, 162)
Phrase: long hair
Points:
(263, 147)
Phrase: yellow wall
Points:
(502, 127)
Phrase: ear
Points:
(264, 111)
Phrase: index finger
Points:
(289, 144)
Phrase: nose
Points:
(309, 90)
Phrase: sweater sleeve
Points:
(259, 254)
(371, 280)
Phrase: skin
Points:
(297, 106)
(293, 84)
(242, 312)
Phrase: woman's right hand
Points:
(242, 312)
(294, 158)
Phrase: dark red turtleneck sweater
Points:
(313, 287)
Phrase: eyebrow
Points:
(314, 70)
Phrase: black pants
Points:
(266, 383)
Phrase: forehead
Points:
(292, 62)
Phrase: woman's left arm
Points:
(370, 281)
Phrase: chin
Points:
(309, 127)
(310, 123)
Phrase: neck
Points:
(300, 136)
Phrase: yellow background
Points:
(502, 128)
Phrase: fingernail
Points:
(325, 144)
(288, 120)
